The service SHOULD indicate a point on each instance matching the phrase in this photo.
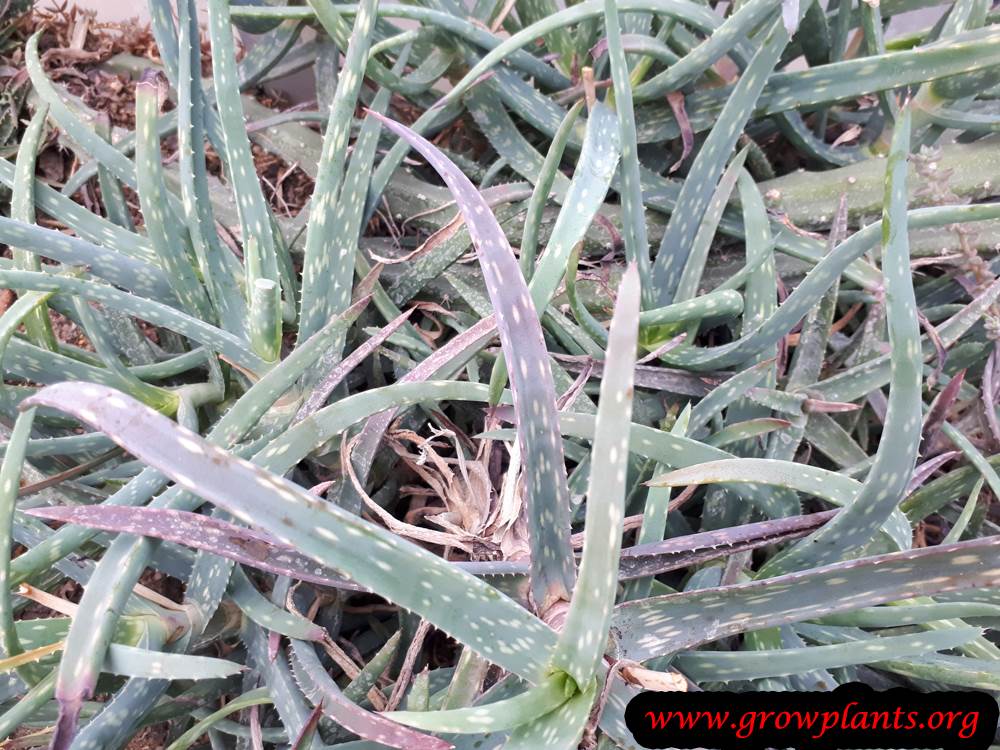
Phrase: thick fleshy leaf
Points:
(531, 379)
(665, 624)
(585, 633)
(320, 530)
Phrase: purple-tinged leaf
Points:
(677, 622)
(207, 533)
(320, 688)
(333, 378)
(923, 471)
(989, 391)
(308, 731)
(262, 551)
(531, 379)
(645, 560)
(938, 412)
(464, 344)
(454, 601)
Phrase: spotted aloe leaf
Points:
(320, 688)
(899, 446)
(323, 256)
(206, 533)
(582, 200)
(560, 729)
(431, 588)
(22, 207)
(657, 626)
(10, 474)
(254, 216)
(584, 636)
(831, 486)
(149, 93)
(697, 191)
(754, 665)
(635, 237)
(531, 379)
(509, 713)
(250, 698)
(262, 551)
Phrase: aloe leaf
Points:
(322, 256)
(264, 552)
(509, 713)
(130, 661)
(255, 221)
(730, 33)
(200, 532)
(350, 216)
(560, 729)
(655, 513)
(962, 522)
(588, 322)
(871, 24)
(217, 265)
(940, 668)
(694, 266)
(154, 396)
(831, 486)
(230, 346)
(698, 188)
(725, 394)
(583, 198)
(658, 626)
(534, 392)
(900, 443)
(259, 609)
(975, 457)
(320, 688)
(290, 704)
(22, 208)
(27, 705)
(754, 665)
(633, 212)
(87, 225)
(749, 428)
(141, 278)
(667, 449)
(14, 316)
(184, 455)
(584, 635)
(10, 480)
(153, 200)
(602, 146)
(653, 558)
(256, 697)
(542, 189)
(914, 614)
(965, 52)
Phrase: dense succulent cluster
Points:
(688, 417)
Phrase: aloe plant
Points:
(577, 372)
